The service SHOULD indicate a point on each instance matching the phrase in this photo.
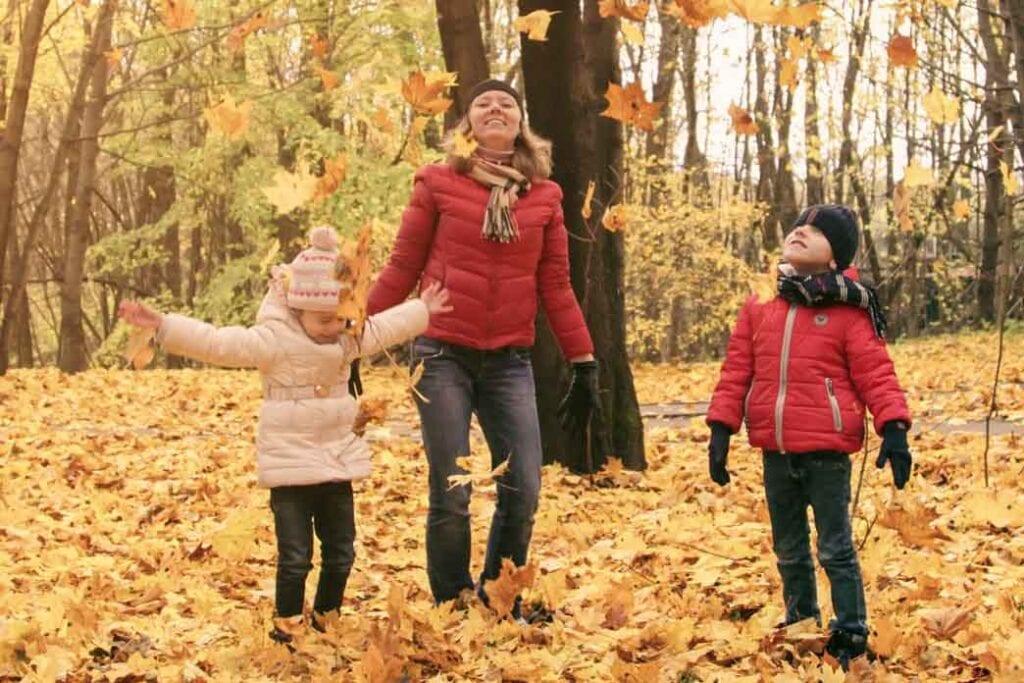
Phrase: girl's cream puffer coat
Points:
(305, 428)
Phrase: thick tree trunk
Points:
(784, 185)
(846, 148)
(14, 126)
(565, 78)
(766, 176)
(463, 45)
(74, 355)
(659, 141)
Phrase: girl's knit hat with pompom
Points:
(311, 285)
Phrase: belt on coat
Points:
(299, 393)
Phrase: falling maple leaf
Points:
(353, 272)
(1010, 184)
(463, 145)
(334, 173)
(798, 47)
(698, 13)
(236, 38)
(941, 108)
(328, 78)
(512, 580)
(178, 15)
(632, 34)
(588, 198)
(742, 122)
(618, 600)
(535, 24)
(916, 175)
(630, 106)
(319, 46)
(961, 209)
(755, 11)
(425, 95)
(229, 119)
(901, 51)
(476, 477)
(636, 11)
(114, 56)
(382, 120)
(825, 56)
(800, 16)
(290, 190)
(787, 74)
(139, 350)
(901, 206)
(617, 218)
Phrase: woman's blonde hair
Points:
(532, 156)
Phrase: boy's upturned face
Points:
(807, 250)
(323, 327)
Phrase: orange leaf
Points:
(113, 56)
(236, 39)
(425, 96)
(787, 74)
(334, 173)
(328, 78)
(502, 591)
(945, 623)
(800, 16)
(698, 13)
(742, 122)
(178, 14)
(229, 119)
(961, 209)
(616, 218)
(901, 52)
(620, 8)
(826, 56)
(630, 106)
(756, 11)
(140, 351)
(318, 45)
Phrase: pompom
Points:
(324, 237)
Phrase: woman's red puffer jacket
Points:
(494, 287)
(801, 377)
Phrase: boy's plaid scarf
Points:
(825, 289)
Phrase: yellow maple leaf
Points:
(382, 120)
(426, 96)
(636, 11)
(139, 350)
(353, 271)
(961, 209)
(476, 477)
(742, 122)
(617, 218)
(755, 11)
(588, 199)
(901, 206)
(698, 13)
(535, 24)
(800, 16)
(941, 108)
(787, 74)
(798, 47)
(178, 15)
(901, 51)
(632, 34)
(463, 145)
(630, 106)
(916, 175)
(512, 580)
(1010, 183)
(290, 190)
(229, 119)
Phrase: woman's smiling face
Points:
(494, 118)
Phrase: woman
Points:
(490, 229)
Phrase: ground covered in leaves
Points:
(134, 544)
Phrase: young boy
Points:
(800, 370)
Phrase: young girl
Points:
(307, 454)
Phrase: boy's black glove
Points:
(718, 453)
(355, 382)
(583, 400)
(896, 451)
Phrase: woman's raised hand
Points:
(140, 315)
(436, 298)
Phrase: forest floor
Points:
(134, 542)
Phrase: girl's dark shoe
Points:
(846, 647)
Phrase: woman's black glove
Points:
(355, 382)
(718, 453)
(896, 451)
(583, 401)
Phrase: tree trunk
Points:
(784, 185)
(14, 127)
(812, 138)
(21, 261)
(765, 148)
(693, 158)
(74, 355)
(659, 140)
(857, 41)
(565, 79)
(463, 45)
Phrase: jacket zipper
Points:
(746, 403)
(837, 416)
(780, 400)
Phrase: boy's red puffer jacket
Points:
(801, 376)
(494, 287)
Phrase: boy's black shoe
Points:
(846, 647)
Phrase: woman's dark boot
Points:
(846, 647)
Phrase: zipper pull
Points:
(828, 385)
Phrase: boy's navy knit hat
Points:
(494, 84)
(839, 225)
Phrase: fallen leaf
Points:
(535, 24)
(946, 623)
(502, 591)
(630, 106)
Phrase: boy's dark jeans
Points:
(792, 481)
(298, 511)
(498, 386)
